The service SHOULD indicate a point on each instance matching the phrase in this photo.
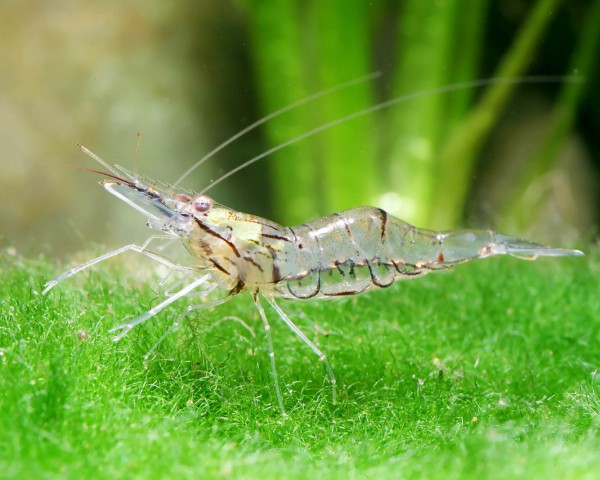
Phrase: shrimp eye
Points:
(202, 203)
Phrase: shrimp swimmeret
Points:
(343, 254)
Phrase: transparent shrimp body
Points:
(342, 254)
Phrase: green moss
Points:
(488, 371)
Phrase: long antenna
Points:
(395, 101)
(276, 113)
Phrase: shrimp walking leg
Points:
(312, 346)
(271, 352)
(124, 328)
(172, 290)
(175, 325)
(127, 248)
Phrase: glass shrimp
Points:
(342, 254)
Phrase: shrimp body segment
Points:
(342, 254)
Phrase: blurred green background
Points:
(520, 157)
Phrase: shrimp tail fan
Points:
(469, 244)
(530, 250)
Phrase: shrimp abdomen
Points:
(362, 248)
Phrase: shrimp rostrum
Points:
(342, 254)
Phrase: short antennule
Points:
(100, 172)
(106, 165)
